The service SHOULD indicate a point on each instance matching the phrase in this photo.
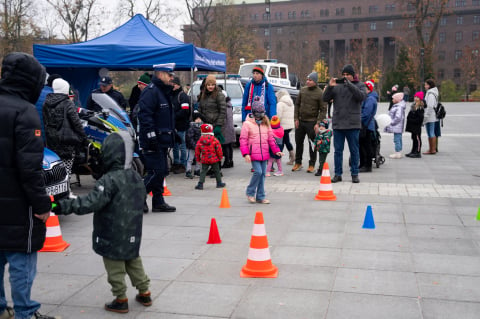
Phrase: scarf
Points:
(248, 107)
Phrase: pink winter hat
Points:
(397, 97)
(420, 95)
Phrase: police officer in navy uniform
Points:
(156, 119)
(106, 86)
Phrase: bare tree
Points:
(154, 11)
(426, 16)
(16, 25)
(201, 17)
(470, 71)
(77, 15)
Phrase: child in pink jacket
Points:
(256, 138)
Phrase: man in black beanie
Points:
(347, 97)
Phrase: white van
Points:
(276, 73)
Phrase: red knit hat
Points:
(275, 122)
(259, 69)
(370, 84)
(207, 129)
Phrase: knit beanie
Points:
(397, 97)
(144, 79)
(211, 79)
(207, 129)
(313, 76)
(60, 86)
(324, 123)
(257, 106)
(259, 69)
(275, 122)
(370, 84)
(420, 95)
(348, 69)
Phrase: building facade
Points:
(301, 32)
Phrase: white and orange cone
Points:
(326, 190)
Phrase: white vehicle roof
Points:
(275, 72)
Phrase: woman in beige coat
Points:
(285, 108)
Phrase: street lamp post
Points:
(267, 11)
(422, 67)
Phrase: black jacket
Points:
(116, 202)
(53, 117)
(181, 105)
(415, 121)
(114, 94)
(22, 188)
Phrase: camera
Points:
(340, 81)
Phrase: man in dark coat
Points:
(117, 203)
(106, 86)
(24, 203)
(156, 120)
(347, 99)
(181, 105)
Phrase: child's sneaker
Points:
(188, 174)
(145, 299)
(117, 305)
(267, 174)
(278, 174)
(197, 173)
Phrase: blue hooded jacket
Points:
(369, 109)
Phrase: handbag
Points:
(66, 134)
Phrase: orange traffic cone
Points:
(166, 192)
(259, 263)
(214, 236)
(224, 203)
(326, 190)
(53, 239)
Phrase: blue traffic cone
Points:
(368, 222)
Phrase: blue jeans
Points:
(430, 129)
(397, 140)
(22, 270)
(256, 188)
(339, 137)
(180, 150)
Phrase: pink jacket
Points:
(255, 140)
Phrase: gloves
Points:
(152, 144)
(56, 208)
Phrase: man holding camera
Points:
(347, 95)
(308, 113)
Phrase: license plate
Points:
(57, 189)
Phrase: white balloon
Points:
(383, 120)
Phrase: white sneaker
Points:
(278, 174)
(396, 155)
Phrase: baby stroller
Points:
(378, 159)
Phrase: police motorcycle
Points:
(97, 126)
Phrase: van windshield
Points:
(246, 69)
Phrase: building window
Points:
(458, 54)
(356, 27)
(304, 44)
(390, 25)
(339, 11)
(279, 46)
(441, 74)
(458, 36)
(459, 20)
(373, 26)
(305, 14)
(292, 14)
(442, 36)
(324, 12)
(411, 24)
(278, 16)
(441, 55)
(459, 3)
(389, 8)
(356, 11)
(411, 7)
(372, 9)
(457, 73)
(324, 28)
(475, 35)
(339, 27)
(279, 31)
(443, 21)
(266, 45)
(291, 44)
(265, 16)
(476, 19)
(476, 2)
(428, 24)
(266, 32)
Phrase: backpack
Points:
(440, 111)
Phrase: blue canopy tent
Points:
(136, 45)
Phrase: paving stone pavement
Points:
(422, 261)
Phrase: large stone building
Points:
(300, 32)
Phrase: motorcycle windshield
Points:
(106, 102)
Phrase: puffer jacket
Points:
(53, 112)
(415, 120)
(309, 106)
(347, 104)
(397, 114)
(208, 150)
(22, 188)
(116, 202)
(213, 108)
(256, 139)
(431, 100)
(369, 109)
(193, 135)
(285, 109)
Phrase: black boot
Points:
(319, 172)
(199, 186)
(117, 305)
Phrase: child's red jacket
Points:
(208, 150)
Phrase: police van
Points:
(276, 73)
